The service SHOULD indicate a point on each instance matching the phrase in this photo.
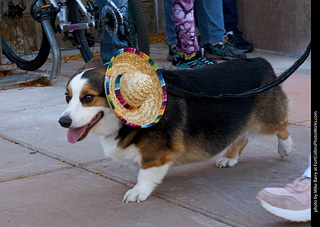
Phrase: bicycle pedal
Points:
(45, 12)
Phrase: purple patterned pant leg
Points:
(183, 18)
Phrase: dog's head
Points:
(88, 109)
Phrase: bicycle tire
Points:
(78, 35)
(141, 26)
(12, 49)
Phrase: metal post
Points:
(55, 48)
(56, 56)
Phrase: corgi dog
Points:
(191, 129)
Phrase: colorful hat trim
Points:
(121, 113)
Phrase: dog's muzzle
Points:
(65, 121)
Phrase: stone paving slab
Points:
(75, 197)
(18, 161)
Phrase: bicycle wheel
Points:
(140, 27)
(78, 35)
(23, 39)
(124, 23)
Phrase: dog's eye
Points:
(87, 98)
(68, 98)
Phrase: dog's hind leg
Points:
(284, 140)
(230, 158)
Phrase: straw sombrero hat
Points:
(135, 88)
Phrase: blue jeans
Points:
(230, 13)
(307, 172)
(210, 21)
(171, 39)
(107, 50)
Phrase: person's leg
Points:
(210, 20)
(211, 27)
(188, 53)
(171, 39)
(183, 18)
(307, 172)
(230, 12)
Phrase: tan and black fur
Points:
(191, 129)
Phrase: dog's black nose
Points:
(65, 121)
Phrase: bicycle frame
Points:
(65, 25)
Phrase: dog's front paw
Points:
(224, 162)
(136, 194)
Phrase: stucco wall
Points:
(278, 25)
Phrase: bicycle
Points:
(25, 42)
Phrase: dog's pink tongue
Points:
(75, 133)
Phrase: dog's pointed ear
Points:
(94, 62)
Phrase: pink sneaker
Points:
(293, 202)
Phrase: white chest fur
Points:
(129, 156)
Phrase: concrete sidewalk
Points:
(45, 181)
